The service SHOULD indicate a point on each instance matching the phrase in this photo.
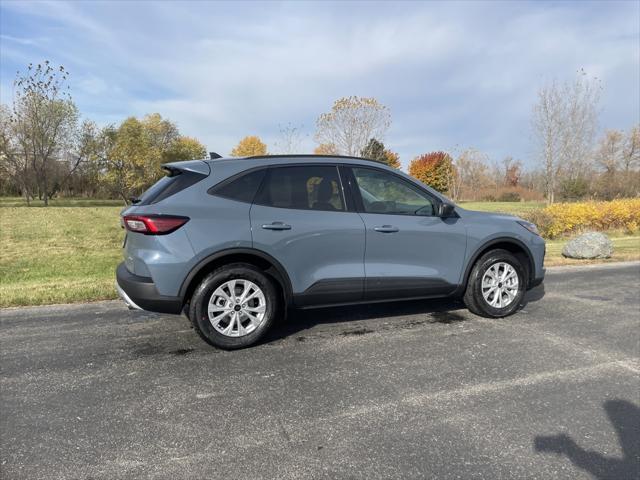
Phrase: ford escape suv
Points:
(233, 242)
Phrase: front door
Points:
(410, 252)
(300, 217)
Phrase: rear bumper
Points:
(140, 293)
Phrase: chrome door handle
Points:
(386, 229)
(276, 226)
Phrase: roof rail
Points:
(308, 155)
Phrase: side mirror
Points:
(446, 210)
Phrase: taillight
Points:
(153, 224)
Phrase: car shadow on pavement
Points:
(438, 311)
(625, 418)
(533, 295)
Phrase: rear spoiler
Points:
(196, 166)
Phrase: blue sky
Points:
(454, 74)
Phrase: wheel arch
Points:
(269, 265)
(513, 245)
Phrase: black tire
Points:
(473, 297)
(198, 308)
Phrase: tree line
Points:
(46, 149)
(569, 165)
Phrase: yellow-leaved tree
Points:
(129, 156)
(249, 146)
(392, 159)
(126, 155)
(325, 149)
(185, 148)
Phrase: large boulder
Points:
(589, 245)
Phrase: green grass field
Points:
(68, 252)
(58, 254)
(61, 202)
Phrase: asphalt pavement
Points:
(402, 390)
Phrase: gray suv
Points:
(233, 242)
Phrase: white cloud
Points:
(34, 41)
(452, 73)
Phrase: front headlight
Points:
(530, 226)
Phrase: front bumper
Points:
(536, 281)
(140, 293)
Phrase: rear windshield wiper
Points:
(134, 200)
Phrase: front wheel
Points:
(496, 285)
(234, 306)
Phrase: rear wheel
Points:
(234, 306)
(496, 285)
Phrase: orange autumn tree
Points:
(435, 169)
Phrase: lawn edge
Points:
(593, 266)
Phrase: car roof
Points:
(259, 160)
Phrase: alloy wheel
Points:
(236, 308)
(500, 285)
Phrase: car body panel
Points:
(485, 228)
(320, 246)
(425, 255)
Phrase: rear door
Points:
(410, 252)
(301, 218)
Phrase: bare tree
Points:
(609, 152)
(471, 173)
(15, 162)
(512, 171)
(351, 122)
(617, 156)
(290, 139)
(631, 150)
(44, 121)
(496, 174)
(564, 123)
(83, 149)
(533, 180)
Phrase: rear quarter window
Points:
(241, 188)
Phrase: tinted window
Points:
(242, 189)
(384, 192)
(303, 188)
(169, 185)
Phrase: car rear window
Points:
(169, 185)
(242, 188)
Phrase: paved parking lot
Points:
(405, 390)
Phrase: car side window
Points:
(302, 188)
(242, 189)
(386, 193)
